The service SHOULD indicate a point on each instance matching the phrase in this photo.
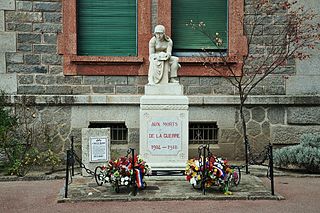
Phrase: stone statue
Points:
(163, 67)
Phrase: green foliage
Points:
(305, 155)
(312, 140)
(22, 159)
(19, 155)
(7, 121)
(50, 159)
(24, 145)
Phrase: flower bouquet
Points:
(216, 172)
(120, 172)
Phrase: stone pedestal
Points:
(95, 148)
(164, 127)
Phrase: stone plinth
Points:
(164, 89)
(95, 148)
(164, 127)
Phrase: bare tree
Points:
(294, 30)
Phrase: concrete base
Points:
(166, 188)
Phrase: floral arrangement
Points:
(120, 171)
(218, 170)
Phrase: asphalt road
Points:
(302, 195)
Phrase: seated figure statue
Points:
(161, 61)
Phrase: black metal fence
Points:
(266, 154)
(72, 158)
(204, 153)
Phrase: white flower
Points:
(197, 163)
(193, 181)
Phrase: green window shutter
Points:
(107, 27)
(214, 13)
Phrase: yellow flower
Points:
(228, 193)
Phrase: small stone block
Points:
(95, 148)
(7, 42)
(2, 62)
(1, 20)
(164, 89)
(8, 83)
(7, 4)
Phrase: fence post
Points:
(204, 178)
(133, 173)
(67, 174)
(271, 168)
(72, 161)
(246, 143)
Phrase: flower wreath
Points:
(218, 173)
(120, 171)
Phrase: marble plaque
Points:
(164, 136)
(99, 147)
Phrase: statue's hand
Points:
(153, 57)
(163, 56)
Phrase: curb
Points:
(128, 198)
(31, 178)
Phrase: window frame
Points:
(87, 9)
(75, 64)
(196, 48)
(211, 128)
(237, 41)
(115, 127)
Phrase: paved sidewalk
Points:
(301, 195)
(165, 188)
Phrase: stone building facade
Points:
(38, 61)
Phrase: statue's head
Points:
(159, 33)
(159, 29)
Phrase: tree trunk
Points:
(244, 133)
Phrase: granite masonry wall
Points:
(31, 29)
(284, 106)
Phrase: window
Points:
(106, 28)
(229, 24)
(213, 13)
(203, 133)
(119, 131)
(90, 25)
